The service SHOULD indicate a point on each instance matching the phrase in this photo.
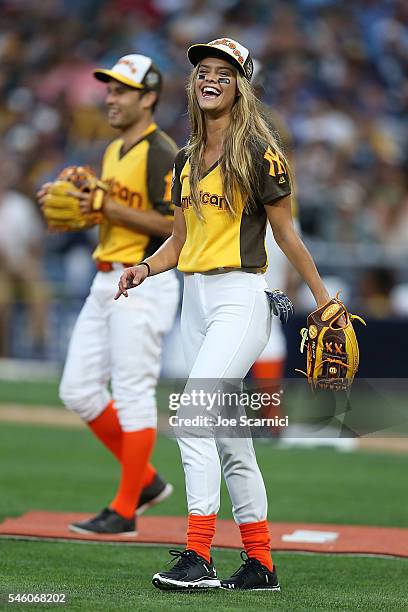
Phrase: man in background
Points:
(117, 343)
(21, 274)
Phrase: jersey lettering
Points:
(206, 198)
(125, 195)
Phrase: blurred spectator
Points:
(388, 211)
(21, 240)
(375, 291)
(399, 298)
(336, 71)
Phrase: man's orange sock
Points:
(107, 429)
(200, 533)
(257, 542)
(137, 447)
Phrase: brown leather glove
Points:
(61, 207)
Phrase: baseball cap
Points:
(226, 49)
(134, 70)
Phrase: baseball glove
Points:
(332, 347)
(61, 209)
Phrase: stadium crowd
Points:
(336, 70)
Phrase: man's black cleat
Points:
(155, 493)
(108, 522)
(191, 572)
(252, 576)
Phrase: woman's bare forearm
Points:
(289, 241)
(295, 250)
(166, 257)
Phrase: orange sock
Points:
(200, 533)
(257, 542)
(107, 429)
(272, 370)
(137, 447)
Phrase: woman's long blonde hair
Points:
(246, 134)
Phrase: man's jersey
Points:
(139, 179)
(221, 240)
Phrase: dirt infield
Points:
(320, 538)
(56, 417)
(39, 415)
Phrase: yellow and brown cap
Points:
(226, 49)
(134, 70)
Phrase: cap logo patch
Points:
(228, 43)
(152, 79)
(129, 64)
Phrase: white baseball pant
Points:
(119, 341)
(225, 325)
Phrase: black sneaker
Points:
(107, 522)
(190, 572)
(156, 492)
(252, 576)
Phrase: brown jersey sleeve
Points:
(176, 182)
(160, 160)
(274, 180)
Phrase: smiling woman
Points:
(222, 74)
(227, 182)
(240, 145)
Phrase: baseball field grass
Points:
(103, 577)
(62, 469)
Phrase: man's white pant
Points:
(119, 341)
(225, 326)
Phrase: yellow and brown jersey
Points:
(139, 179)
(220, 240)
(278, 125)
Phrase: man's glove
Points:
(332, 347)
(61, 208)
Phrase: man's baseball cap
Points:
(134, 70)
(226, 49)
